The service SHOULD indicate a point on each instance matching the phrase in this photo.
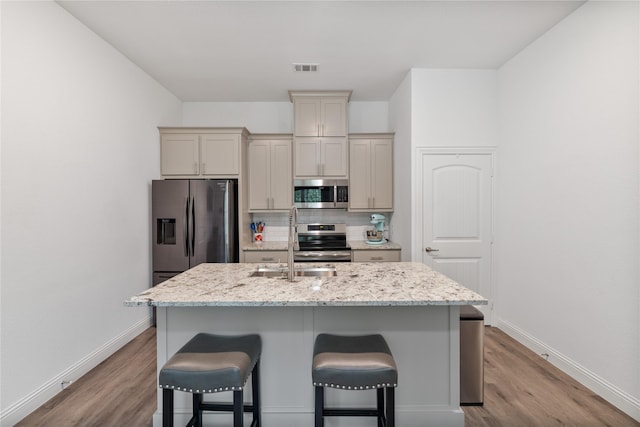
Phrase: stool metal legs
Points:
(167, 407)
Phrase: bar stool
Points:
(211, 363)
(354, 363)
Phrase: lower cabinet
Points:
(265, 256)
(380, 255)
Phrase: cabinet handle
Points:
(373, 202)
(204, 168)
(323, 129)
(267, 258)
(376, 258)
(318, 129)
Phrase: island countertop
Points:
(356, 284)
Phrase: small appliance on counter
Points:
(376, 236)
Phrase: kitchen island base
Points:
(424, 341)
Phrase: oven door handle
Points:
(322, 256)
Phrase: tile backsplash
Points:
(276, 228)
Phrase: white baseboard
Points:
(405, 417)
(618, 398)
(17, 411)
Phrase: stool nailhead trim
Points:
(345, 387)
(215, 390)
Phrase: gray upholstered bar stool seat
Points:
(355, 363)
(211, 363)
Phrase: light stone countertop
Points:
(354, 244)
(265, 246)
(360, 245)
(356, 284)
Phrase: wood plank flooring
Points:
(521, 390)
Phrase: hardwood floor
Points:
(521, 389)
(119, 392)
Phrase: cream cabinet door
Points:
(333, 117)
(320, 116)
(179, 154)
(334, 157)
(259, 175)
(371, 174)
(281, 176)
(377, 255)
(270, 180)
(307, 117)
(307, 155)
(265, 256)
(321, 157)
(219, 154)
(381, 174)
(359, 173)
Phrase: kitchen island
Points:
(414, 307)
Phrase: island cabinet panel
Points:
(371, 173)
(201, 152)
(375, 255)
(424, 342)
(270, 174)
(265, 256)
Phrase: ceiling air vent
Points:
(306, 68)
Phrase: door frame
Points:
(417, 243)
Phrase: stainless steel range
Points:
(322, 243)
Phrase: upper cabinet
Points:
(371, 172)
(201, 152)
(320, 131)
(269, 169)
(321, 157)
(319, 113)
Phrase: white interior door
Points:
(456, 219)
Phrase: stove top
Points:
(322, 237)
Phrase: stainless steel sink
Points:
(326, 271)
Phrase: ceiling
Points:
(244, 50)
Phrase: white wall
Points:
(400, 122)
(567, 238)
(277, 117)
(454, 108)
(79, 148)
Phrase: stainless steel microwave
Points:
(321, 193)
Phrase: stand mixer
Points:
(376, 236)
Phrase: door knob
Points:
(429, 249)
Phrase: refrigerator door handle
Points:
(227, 255)
(193, 226)
(186, 227)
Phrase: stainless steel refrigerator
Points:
(194, 221)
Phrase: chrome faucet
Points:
(293, 240)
